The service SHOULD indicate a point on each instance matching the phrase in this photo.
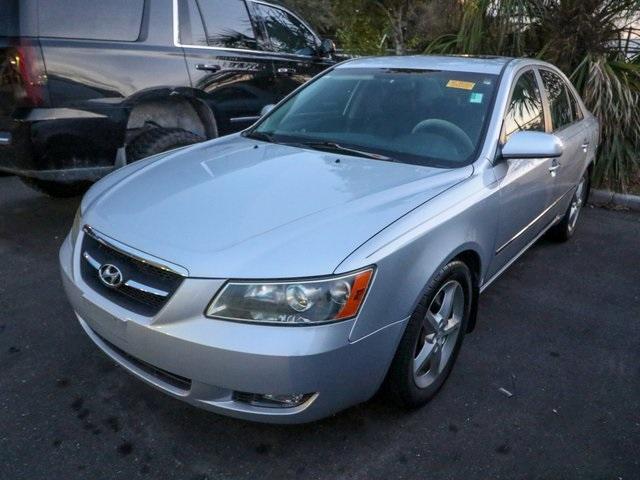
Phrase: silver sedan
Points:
(339, 245)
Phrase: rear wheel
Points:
(56, 189)
(432, 340)
(564, 230)
(158, 140)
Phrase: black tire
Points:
(158, 140)
(564, 230)
(56, 189)
(401, 384)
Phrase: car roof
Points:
(456, 63)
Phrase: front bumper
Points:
(204, 361)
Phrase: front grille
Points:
(176, 381)
(144, 288)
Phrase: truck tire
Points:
(158, 140)
(56, 189)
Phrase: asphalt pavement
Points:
(560, 331)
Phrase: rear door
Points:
(568, 124)
(525, 184)
(294, 45)
(223, 50)
(100, 56)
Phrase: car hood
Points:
(239, 208)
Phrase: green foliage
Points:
(362, 29)
(319, 12)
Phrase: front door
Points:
(294, 45)
(525, 184)
(223, 51)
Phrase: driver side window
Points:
(285, 32)
(525, 112)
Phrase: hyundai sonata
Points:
(337, 246)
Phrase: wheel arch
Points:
(472, 259)
(470, 255)
(171, 108)
(590, 169)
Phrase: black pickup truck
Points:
(87, 86)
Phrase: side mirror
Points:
(327, 47)
(532, 145)
(266, 109)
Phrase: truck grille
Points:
(135, 285)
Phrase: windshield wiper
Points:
(336, 147)
(264, 136)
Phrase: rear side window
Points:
(575, 108)
(561, 112)
(227, 24)
(525, 111)
(118, 20)
(191, 27)
(286, 33)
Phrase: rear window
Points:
(227, 24)
(118, 20)
(9, 18)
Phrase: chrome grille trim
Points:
(98, 237)
(145, 286)
(129, 283)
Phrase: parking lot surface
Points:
(560, 331)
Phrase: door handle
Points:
(285, 71)
(207, 67)
(554, 167)
(585, 147)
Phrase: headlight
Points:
(296, 302)
(75, 228)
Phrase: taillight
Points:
(30, 67)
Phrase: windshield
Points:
(423, 117)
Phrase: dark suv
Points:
(89, 85)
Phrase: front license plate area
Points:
(102, 321)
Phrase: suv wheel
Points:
(432, 340)
(56, 189)
(158, 140)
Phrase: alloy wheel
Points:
(439, 333)
(576, 204)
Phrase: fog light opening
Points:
(272, 400)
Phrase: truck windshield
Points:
(422, 117)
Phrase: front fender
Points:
(411, 251)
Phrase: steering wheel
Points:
(449, 131)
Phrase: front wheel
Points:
(564, 230)
(432, 339)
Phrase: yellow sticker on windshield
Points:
(461, 84)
